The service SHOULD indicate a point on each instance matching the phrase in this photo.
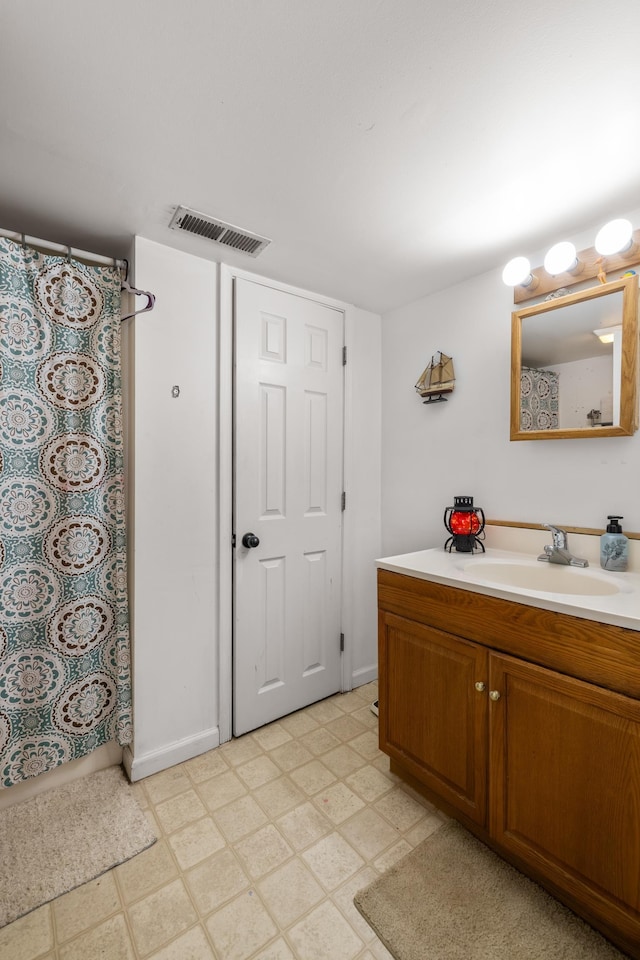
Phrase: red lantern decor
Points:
(465, 523)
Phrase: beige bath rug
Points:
(453, 899)
(65, 837)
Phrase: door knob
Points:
(494, 694)
(480, 687)
(250, 540)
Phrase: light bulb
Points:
(615, 237)
(516, 272)
(561, 258)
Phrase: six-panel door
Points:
(287, 491)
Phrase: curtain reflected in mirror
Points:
(538, 399)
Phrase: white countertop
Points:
(457, 570)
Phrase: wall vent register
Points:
(224, 234)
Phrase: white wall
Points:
(583, 384)
(432, 453)
(174, 531)
(181, 519)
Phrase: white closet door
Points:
(288, 490)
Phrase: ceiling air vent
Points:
(218, 231)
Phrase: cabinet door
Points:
(565, 783)
(432, 718)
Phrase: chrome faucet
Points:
(558, 551)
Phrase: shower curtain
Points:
(538, 399)
(64, 631)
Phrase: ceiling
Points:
(389, 148)
(564, 334)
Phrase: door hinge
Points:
(344, 356)
(343, 500)
(233, 539)
(342, 643)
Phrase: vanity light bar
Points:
(564, 266)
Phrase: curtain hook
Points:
(24, 240)
(68, 254)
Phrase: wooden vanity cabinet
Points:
(541, 762)
(433, 718)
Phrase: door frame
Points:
(224, 598)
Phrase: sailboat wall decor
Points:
(437, 379)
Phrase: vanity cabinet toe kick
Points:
(524, 724)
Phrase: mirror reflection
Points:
(569, 377)
(574, 364)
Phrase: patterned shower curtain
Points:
(538, 399)
(64, 631)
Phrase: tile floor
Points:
(262, 844)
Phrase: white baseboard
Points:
(139, 767)
(364, 675)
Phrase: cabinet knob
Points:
(494, 694)
(480, 686)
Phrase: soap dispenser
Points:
(614, 546)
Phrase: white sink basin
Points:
(542, 577)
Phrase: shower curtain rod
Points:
(94, 259)
(47, 246)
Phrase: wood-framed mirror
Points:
(565, 381)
